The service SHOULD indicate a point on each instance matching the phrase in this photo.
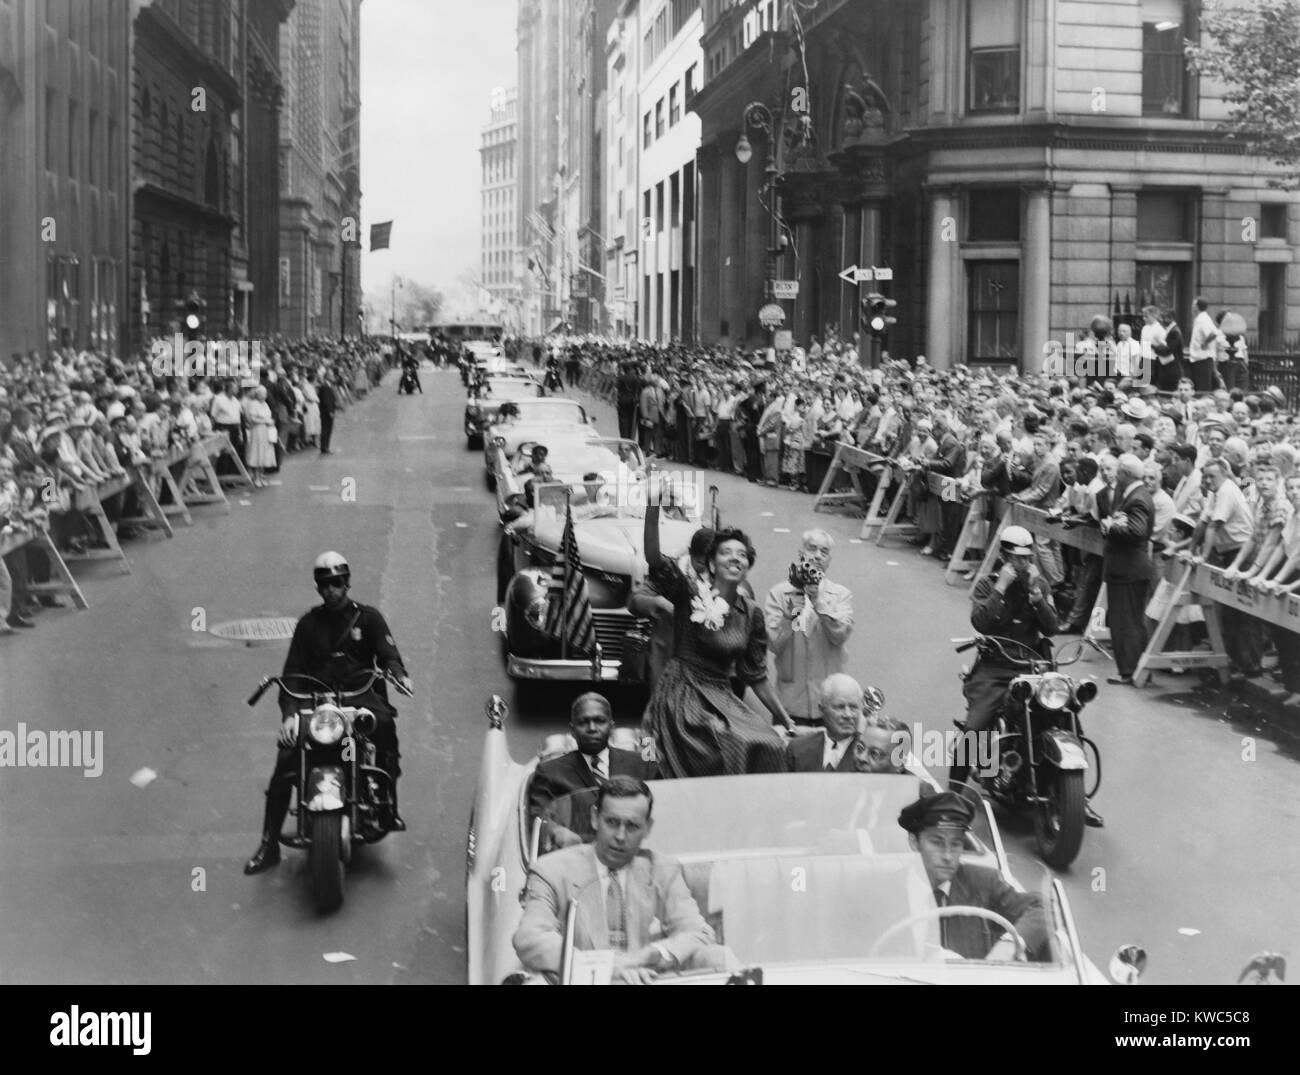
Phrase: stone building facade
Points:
(65, 202)
(320, 208)
(188, 188)
(1019, 165)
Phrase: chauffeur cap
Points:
(946, 810)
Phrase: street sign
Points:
(785, 289)
(771, 315)
(854, 275)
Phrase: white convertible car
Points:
(573, 453)
(805, 878)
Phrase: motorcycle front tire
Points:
(1059, 840)
(325, 858)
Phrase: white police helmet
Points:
(330, 565)
(1017, 541)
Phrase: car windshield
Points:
(618, 492)
(814, 868)
(550, 411)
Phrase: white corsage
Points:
(707, 606)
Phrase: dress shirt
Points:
(1188, 499)
(832, 751)
(1204, 335)
(1128, 355)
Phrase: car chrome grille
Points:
(611, 624)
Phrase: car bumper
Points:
(568, 671)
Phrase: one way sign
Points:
(854, 275)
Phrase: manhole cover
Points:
(267, 629)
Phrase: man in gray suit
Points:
(619, 890)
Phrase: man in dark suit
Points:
(830, 750)
(329, 403)
(936, 827)
(1172, 366)
(1126, 567)
(584, 770)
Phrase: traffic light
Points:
(876, 315)
(194, 309)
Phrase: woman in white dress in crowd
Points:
(260, 452)
(311, 412)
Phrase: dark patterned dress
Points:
(700, 727)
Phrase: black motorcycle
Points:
(1042, 758)
(410, 381)
(342, 797)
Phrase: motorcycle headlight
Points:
(1053, 692)
(535, 611)
(326, 726)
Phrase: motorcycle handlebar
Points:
(256, 696)
(270, 681)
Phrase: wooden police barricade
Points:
(91, 501)
(61, 580)
(199, 483)
(162, 470)
(238, 480)
(1201, 584)
(851, 461)
(1084, 538)
(966, 539)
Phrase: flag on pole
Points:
(568, 606)
(379, 235)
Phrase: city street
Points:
(105, 881)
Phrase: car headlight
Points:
(1053, 692)
(326, 726)
(535, 610)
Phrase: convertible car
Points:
(482, 405)
(572, 454)
(609, 520)
(804, 878)
(536, 420)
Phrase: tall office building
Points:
(320, 173)
(499, 268)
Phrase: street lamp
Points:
(758, 118)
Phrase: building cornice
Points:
(152, 193)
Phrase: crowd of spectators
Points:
(1221, 462)
(74, 422)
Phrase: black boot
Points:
(268, 851)
(1091, 818)
(391, 766)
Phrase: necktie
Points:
(598, 767)
(941, 900)
(616, 914)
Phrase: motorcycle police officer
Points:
(339, 642)
(1013, 603)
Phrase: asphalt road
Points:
(104, 881)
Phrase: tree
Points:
(1253, 49)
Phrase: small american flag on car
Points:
(568, 606)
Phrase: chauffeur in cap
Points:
(937, 826)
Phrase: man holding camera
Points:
(809, 620)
